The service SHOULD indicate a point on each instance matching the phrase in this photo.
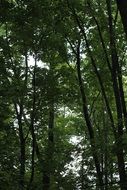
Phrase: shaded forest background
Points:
(63, 94)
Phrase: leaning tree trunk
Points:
(88, 123)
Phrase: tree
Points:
(63, 95)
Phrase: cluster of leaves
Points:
(42, 99)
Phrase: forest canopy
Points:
(63, 95)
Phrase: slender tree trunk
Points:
(48, 167)
(47, 173)
(117, 93)
(88, 122)
(106, 129)
(122, 96)
(22, 146)
(32, 129)
(22, 156)
(122, 6)
(22, 164)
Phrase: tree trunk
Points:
(22, 160)
(117, 93)
(88, 123)
(48, 162)
(32, 129)
(47, 172)
(22, 147)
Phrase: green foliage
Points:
(41, 96)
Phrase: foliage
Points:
(63, 115)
